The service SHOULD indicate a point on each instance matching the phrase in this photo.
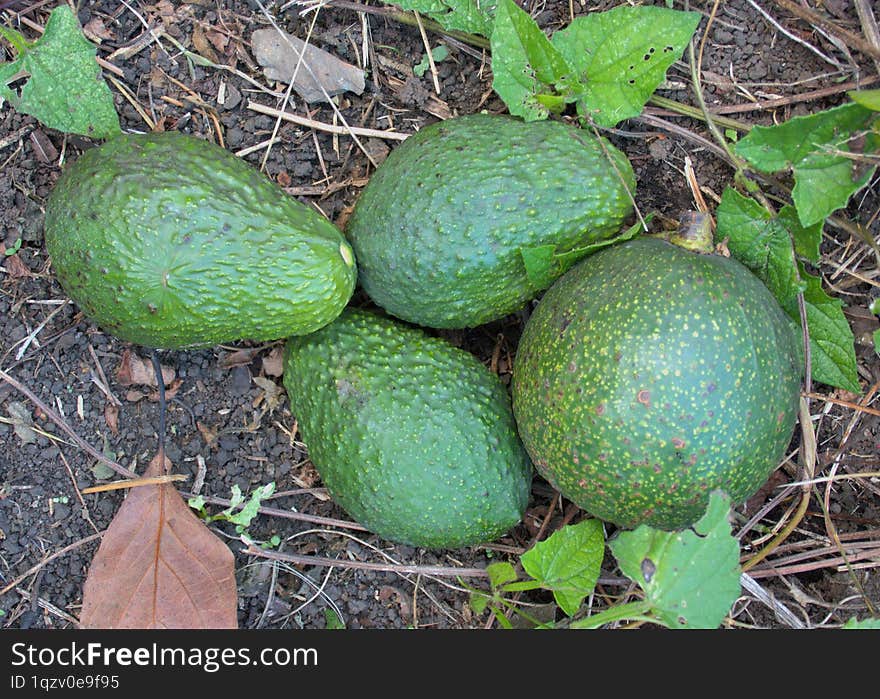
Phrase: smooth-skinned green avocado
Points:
(413, 437)
(169, 241)
(649, 376)
(439, 228)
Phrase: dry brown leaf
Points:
(219, 40)
(15, 268)
(273, 363)
(159, 566)
(170, 391)
(238, 357)
(111, 417)
(271, 393)
(209, 434)
(96, 30)
(279, 53)
(202, 45)
(134, 371)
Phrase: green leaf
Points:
(816, 149)
(541, 268)
(854, 623)
(807, 239)
(472, 16)
(19, 43)
(64, 89)
(524, 62)
(246, 515)
(690, 577)
(832, 350)
(568, 562)
(478, 602)
(332, 620)
(876, 338)
(544, 265)
(870, 99)
(500, 573)
(197, 503)
(761, 242)
(16, 246)
(438, 53)
(621, 56)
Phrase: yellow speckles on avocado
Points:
(680, 387)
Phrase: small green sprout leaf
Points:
(438, 53)
(690, 577)
(16, 246)
(500, 573)
(63, 88)
(243, 517)
(332, 620)
(568, 562)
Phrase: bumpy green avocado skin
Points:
(649, 376)
(438, 229)
(169, 241)
(413, 437)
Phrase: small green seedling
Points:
(438, 53)
(16, 246)
(239, 512)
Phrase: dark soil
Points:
(222, 415)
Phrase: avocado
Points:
(439, 228)
(169, 241)
(412, 436)
(650, 375)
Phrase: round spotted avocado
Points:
(650, 375)
(440, 227)
(413, 437)
(170, 241)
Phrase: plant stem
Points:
(633, 610)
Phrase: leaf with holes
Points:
(159, 566)
(525, 65)
(690, 577)
(826, 152)
(620, 57)
(63, 86)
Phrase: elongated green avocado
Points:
(649, 376)
(169, 241)
(439, 229)
(413, 437)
